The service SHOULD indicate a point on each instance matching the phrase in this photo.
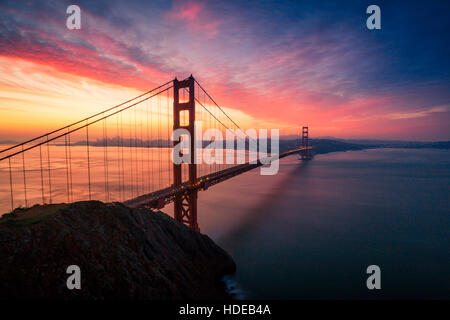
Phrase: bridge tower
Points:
(305, 142)
(185, 205)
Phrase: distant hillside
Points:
(402, 144)
(333, 145)
(323, 145)
(327, 146)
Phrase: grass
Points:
(18, 217)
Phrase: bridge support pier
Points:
(185, 205)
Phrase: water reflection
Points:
(311, 231)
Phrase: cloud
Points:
(92, 52)
(188, 11)
(284, 63)
(194, 16)
(417, 114)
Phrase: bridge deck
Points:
(160, 198)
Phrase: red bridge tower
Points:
(185, 205)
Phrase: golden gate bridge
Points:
(134, 164)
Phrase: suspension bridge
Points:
(125, 153)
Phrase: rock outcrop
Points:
(123, 253)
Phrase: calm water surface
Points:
(311, 231)
(308, 232)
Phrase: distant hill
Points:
(333, 145)
(402, 144)
(327, 146)
(323, 145)
(8, 142)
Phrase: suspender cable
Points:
(56, 134)
(104, 159)
(148, 149)
(81, 127)
(88, 118)
(136, 153)
(118, 157)
(159, 141)
(121, 149)
(141, 152)
(67, 169)
(217, 105)
(130, 146)
(168, 139)
(24, 178)
(153, 147)
(49, 170)
(70, 167)
(11, 185)
(42, 174)
(89, 161)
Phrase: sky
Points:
(277, 64)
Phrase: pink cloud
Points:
(195, 16)
(186, 11)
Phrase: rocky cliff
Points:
(122, 253)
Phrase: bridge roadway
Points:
(158, 199)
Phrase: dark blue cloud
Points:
(412, 45)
